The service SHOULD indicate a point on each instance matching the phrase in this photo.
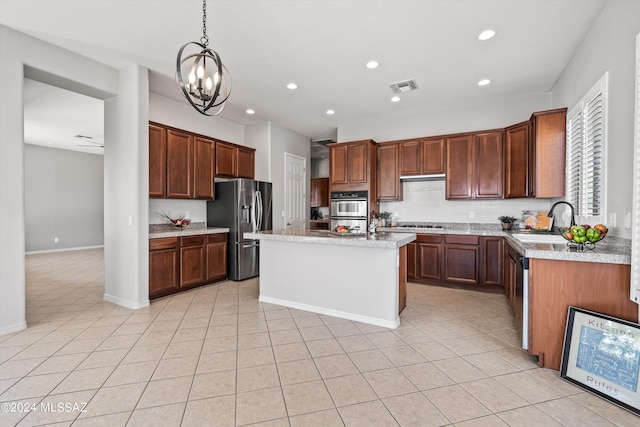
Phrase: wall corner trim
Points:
(134, 305)
(13, 328)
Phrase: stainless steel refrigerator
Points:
(242, 205)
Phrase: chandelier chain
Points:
(204, 39)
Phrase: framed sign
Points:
(601, 354)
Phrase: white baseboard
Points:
(134, 305)
(391, 324)
(79, 248)
(13, 328)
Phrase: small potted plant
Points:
(384, 216)
(507, 221)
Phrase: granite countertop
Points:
(324, 237)
(612, 250)
(157, 231)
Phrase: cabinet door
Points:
(322, 191)
(226, 160)
(192, 260)
(411, 261)
(388, 178)
(549, 139)
(488, 164)
(179, 165)
(216, 257)
(246, 163)
(516, 161)
(313, 193)
(357, 164)
(410, 156)
(157, 161)
(459, 170)
(433, 156)
(491, 270)
(163, 266)
(462, 259)
(338, 164)
(203, 165)
(430, 261)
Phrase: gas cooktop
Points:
(420, 226)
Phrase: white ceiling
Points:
(323, 46)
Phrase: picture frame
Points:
(601, 354)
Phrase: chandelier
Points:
(208, 82)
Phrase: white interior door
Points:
(295, 194)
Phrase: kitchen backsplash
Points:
(197, 209)
(424, 201)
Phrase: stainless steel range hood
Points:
(433, 177)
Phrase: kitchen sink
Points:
(553, 239)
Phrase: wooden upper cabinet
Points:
(179, 165)
(547, 156)
(338, 166)
(157, 161)
(516, 160)
(488, 164)
(388, 176)
(459, 167)
(433, 156)
(246, 162)
(319, 192)
(226, 159)
(358, 166)
(203, 163)
(410, 158)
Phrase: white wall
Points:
(320, 168)
(64, 69)
(258, 136)
(609, 46)
(64, 198)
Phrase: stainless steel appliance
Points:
(521, 297)
(349, 209)
(242, 205)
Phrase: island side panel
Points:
(555, 285)
(358, 283)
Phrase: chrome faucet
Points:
(573, 218)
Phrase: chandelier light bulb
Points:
(200, 72)
(216, 78)
(192, 78)
(209, 83)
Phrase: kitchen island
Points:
(360, 278)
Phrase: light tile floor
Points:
(216, 356)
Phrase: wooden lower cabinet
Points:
(475, 262)
(164, 266)
(556, 285)
(180, 263)
(216, 257)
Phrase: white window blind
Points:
(585, 153)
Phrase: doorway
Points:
(295, 195)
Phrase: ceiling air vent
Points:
(403, 87)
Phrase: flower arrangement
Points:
(507, 221)
(178, 222)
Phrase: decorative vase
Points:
(506, 225)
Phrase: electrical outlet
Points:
(472, 214)
(56, 240)
(627, 220)
(611, 221)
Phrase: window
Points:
(586, 149)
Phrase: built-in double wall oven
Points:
(349, 208)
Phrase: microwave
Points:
(349, 204)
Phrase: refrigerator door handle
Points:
(250, 245)
(258, 204)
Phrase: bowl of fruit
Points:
(584, 235)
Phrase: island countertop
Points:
(181, 232)
(323, 237)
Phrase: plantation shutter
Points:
(593, 157)
(574, 159)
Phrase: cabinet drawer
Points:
(429, 238)
(462, 240)
(218, 237)
(192, 240)
(163, 243)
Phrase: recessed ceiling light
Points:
(330, 112)
(484, 82)
(250, 111)
(292, 86)
(486, 35)
(395, 99)
(372, 64)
